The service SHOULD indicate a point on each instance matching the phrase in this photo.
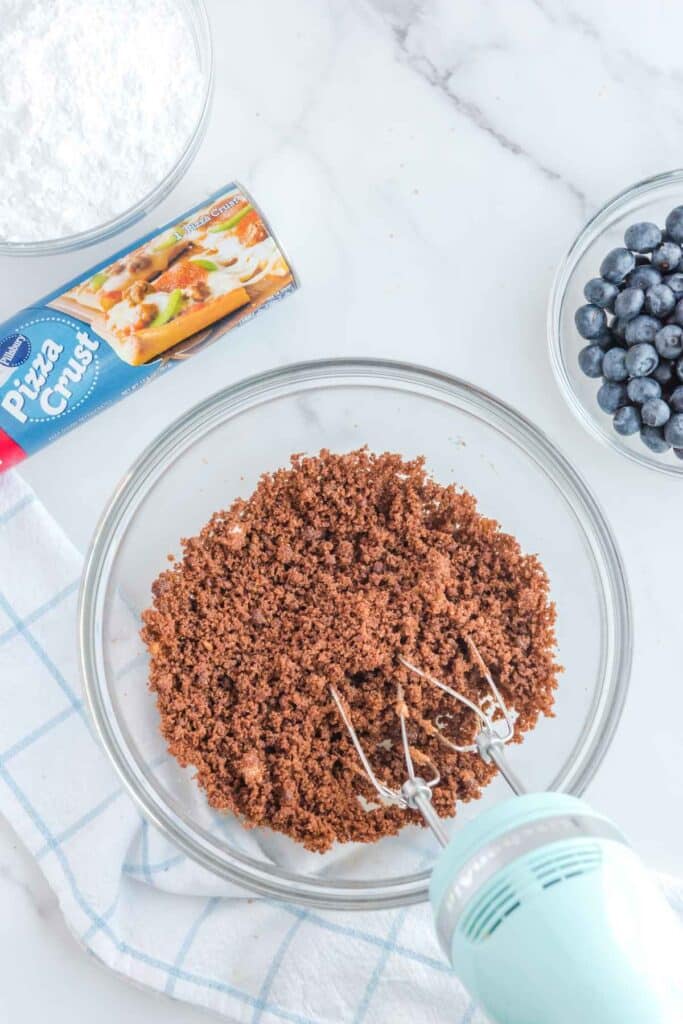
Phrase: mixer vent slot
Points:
(547, 869)
(489, 912)
(552, 868)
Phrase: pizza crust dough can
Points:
(135, 315)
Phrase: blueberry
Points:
(590, 321)
(667, 256)
(641, 389)
(642, 328)
(617, 264)
(611, 396)
(653, 437)
(678, 313)
(675, 283)
(590, 361)
(676, 399)
(673, 431)
(659, 300)
(626, 420)
(641, 360)
(678, 368)
(669, 341)
(602, 293)
(630, 302)
(643, 237)
(613, 365)
(678, 452)
(618, 329)
(644, 277)
(655, 412)
(664, 372)
(674, 224)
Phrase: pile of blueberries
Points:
(633, 323)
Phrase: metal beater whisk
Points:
(497, 729)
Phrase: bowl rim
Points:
(201, 29)
(588, 234)
(608, 567)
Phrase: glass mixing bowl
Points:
(215, 453)
(648, 200)
(200, 27)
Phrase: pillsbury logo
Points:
(14, 349)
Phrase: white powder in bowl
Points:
(98, 99)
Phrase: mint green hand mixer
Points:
(543, 909)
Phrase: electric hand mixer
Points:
(544, 911)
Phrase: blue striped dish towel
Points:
(127, 894)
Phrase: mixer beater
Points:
(416, 792)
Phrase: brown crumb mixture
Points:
(325, 575)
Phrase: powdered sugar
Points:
(97, 100)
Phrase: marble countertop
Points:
(426, 165)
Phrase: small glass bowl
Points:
(201, 37)
(651, 200)
(215, 453)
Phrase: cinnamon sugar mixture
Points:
(325, 575)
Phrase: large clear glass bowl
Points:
(215, 453)
(649, 200)
(200, 27)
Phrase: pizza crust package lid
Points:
(133, 317)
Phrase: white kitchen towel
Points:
(131, 898)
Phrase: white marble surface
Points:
(426, 163)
